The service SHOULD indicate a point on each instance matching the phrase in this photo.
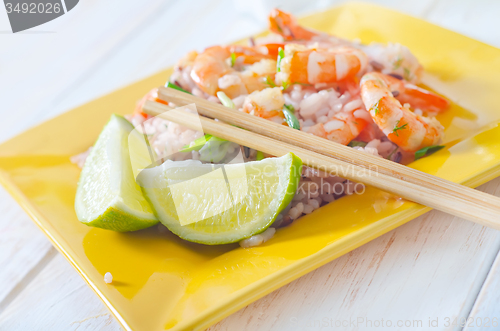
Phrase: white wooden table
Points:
(435, 267)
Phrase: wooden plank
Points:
(430, 268)
(45, 66)
(58, 299)
(23, 249)
(485, 312)
(476, 19)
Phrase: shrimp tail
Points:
(286, 25)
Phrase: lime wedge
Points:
(108, 196)
(220, 204)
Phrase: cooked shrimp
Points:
(286, 25)
(209, 66)
(387, 58)
(151, 95)
(310, 66)
(417, 97)
(341, 128)
(267, 103)
(257, 53)
(409, 131)
(212, 72)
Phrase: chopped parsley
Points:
(397, 128)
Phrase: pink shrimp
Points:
(341, 128)
(212, 70)
(287, 26)
(151, 95)
(416, 96)
(267, 103)
(310, 66)
(409, 131)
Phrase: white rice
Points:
(108, 278)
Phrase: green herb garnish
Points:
(376, 107)
(226, 101)
(270, 82)
(397, 128)
(290, 119)
(233, 59)
(427, 151)
(290, 108)
(407, 74)
(355, 143)
(281, 55)
(260, 156)
(392, 153)
(285, 85)
(175, 87)
(398, 62)
(197, 144)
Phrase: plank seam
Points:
(27, 279)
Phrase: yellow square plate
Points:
(162, 282)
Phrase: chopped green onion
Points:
(407, 74)
(226, 101)
(290, 119)
(398, 63)
(199, 143)
(172, 85)
(392, 153)
(260, 156)
(270, 82)
(290, 108)
(233, 59)
(355, 143)
(285, 85)
(281, 55)
(427, 151)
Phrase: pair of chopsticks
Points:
(316, 152)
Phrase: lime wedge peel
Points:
(108, 196)
(220, 204)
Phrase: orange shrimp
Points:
(342, 128)
(257, 53)
(151, 95)
(212, 71)
(267, 103)
(409, 131)
(417, 97)
(310, 66)
(286, 25)
(209, 66)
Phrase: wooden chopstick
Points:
(334, 158)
